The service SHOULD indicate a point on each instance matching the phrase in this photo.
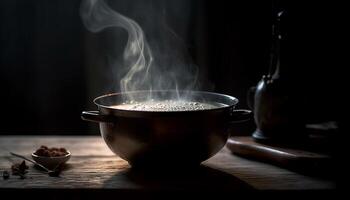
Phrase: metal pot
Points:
(165, 138)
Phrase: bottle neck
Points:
(277, 38)
(276, 57)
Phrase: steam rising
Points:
(168, 70)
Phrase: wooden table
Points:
(94, 166)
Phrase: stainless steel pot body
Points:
(147, 138)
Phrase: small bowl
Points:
(51, 162)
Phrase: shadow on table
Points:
(201, 178)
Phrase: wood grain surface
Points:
(296, 158)
(93, 165)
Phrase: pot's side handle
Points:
(241, 115)
(95, 116)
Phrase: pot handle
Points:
(241, 115)
(95, 116)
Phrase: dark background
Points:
(51, 67)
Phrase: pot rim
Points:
(233, 101)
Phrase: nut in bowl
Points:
(51, 157)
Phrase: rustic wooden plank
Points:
(113, 172)
(297, 159)
(93, 165)
(79, 173)
(77, 145)
(265, 176)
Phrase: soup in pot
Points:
(166, 106)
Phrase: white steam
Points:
(144, 73)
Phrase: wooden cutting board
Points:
(299, 160)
